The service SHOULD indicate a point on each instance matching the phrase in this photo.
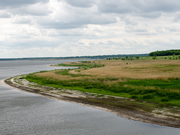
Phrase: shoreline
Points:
(126, 112)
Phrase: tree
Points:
(131, 58)
(165, 53)
(179, 56)
(154, 57)
(126, 57)
(137, 57)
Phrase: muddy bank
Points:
(127, 108)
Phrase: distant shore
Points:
(80, 98)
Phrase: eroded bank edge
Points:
(154, 117)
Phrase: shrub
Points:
(164, 100)
(123, 58)
(148, 96)
(154, 57)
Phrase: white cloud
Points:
(92, 27)
(65, 16)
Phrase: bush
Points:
(164, 100)
(154, 57)
(123, 58)
(148, 96)
(134, 96)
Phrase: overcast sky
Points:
(54, 28)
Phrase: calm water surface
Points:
(23, 113)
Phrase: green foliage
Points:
(131, 58)
(179, 56)
(85, 61)
(93, 66)
(108, 58)
(137, 57)
(165, 53)
(66, 72)
(159, 91)
(85, 66)
(72, 65)
(154, 57)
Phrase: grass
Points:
(154, 81)
(84, 64)
(66, 72)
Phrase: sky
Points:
(56, 28)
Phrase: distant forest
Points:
(165, 53)
(75, 57)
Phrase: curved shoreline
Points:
(125, 112)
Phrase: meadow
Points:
(154, 80)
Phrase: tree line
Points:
(75, 57)
(165, 53)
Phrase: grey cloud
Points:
(35, 10)
(151, 15)
(101, 43)
(177, 17)
(81, 3)
(58, 25)
(18, 3)
(137, 30)
(161, 5)
(73, 19)
(4, 14)
(173, 29)
(91, 43)
(81, 43)
(144, 8)
(115, 6)
(130, 22)
(71, 32)
(110, 42)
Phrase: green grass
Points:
(164, 92)
(176, 57)
(66, 72)
(85, 61)
(84, 66)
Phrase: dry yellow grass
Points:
(53, 75)
(140, 69)
(144, 69)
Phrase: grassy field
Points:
(147, 79)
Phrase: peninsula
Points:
(139, 88)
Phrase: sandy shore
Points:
(165, 119)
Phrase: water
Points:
(23, 113)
